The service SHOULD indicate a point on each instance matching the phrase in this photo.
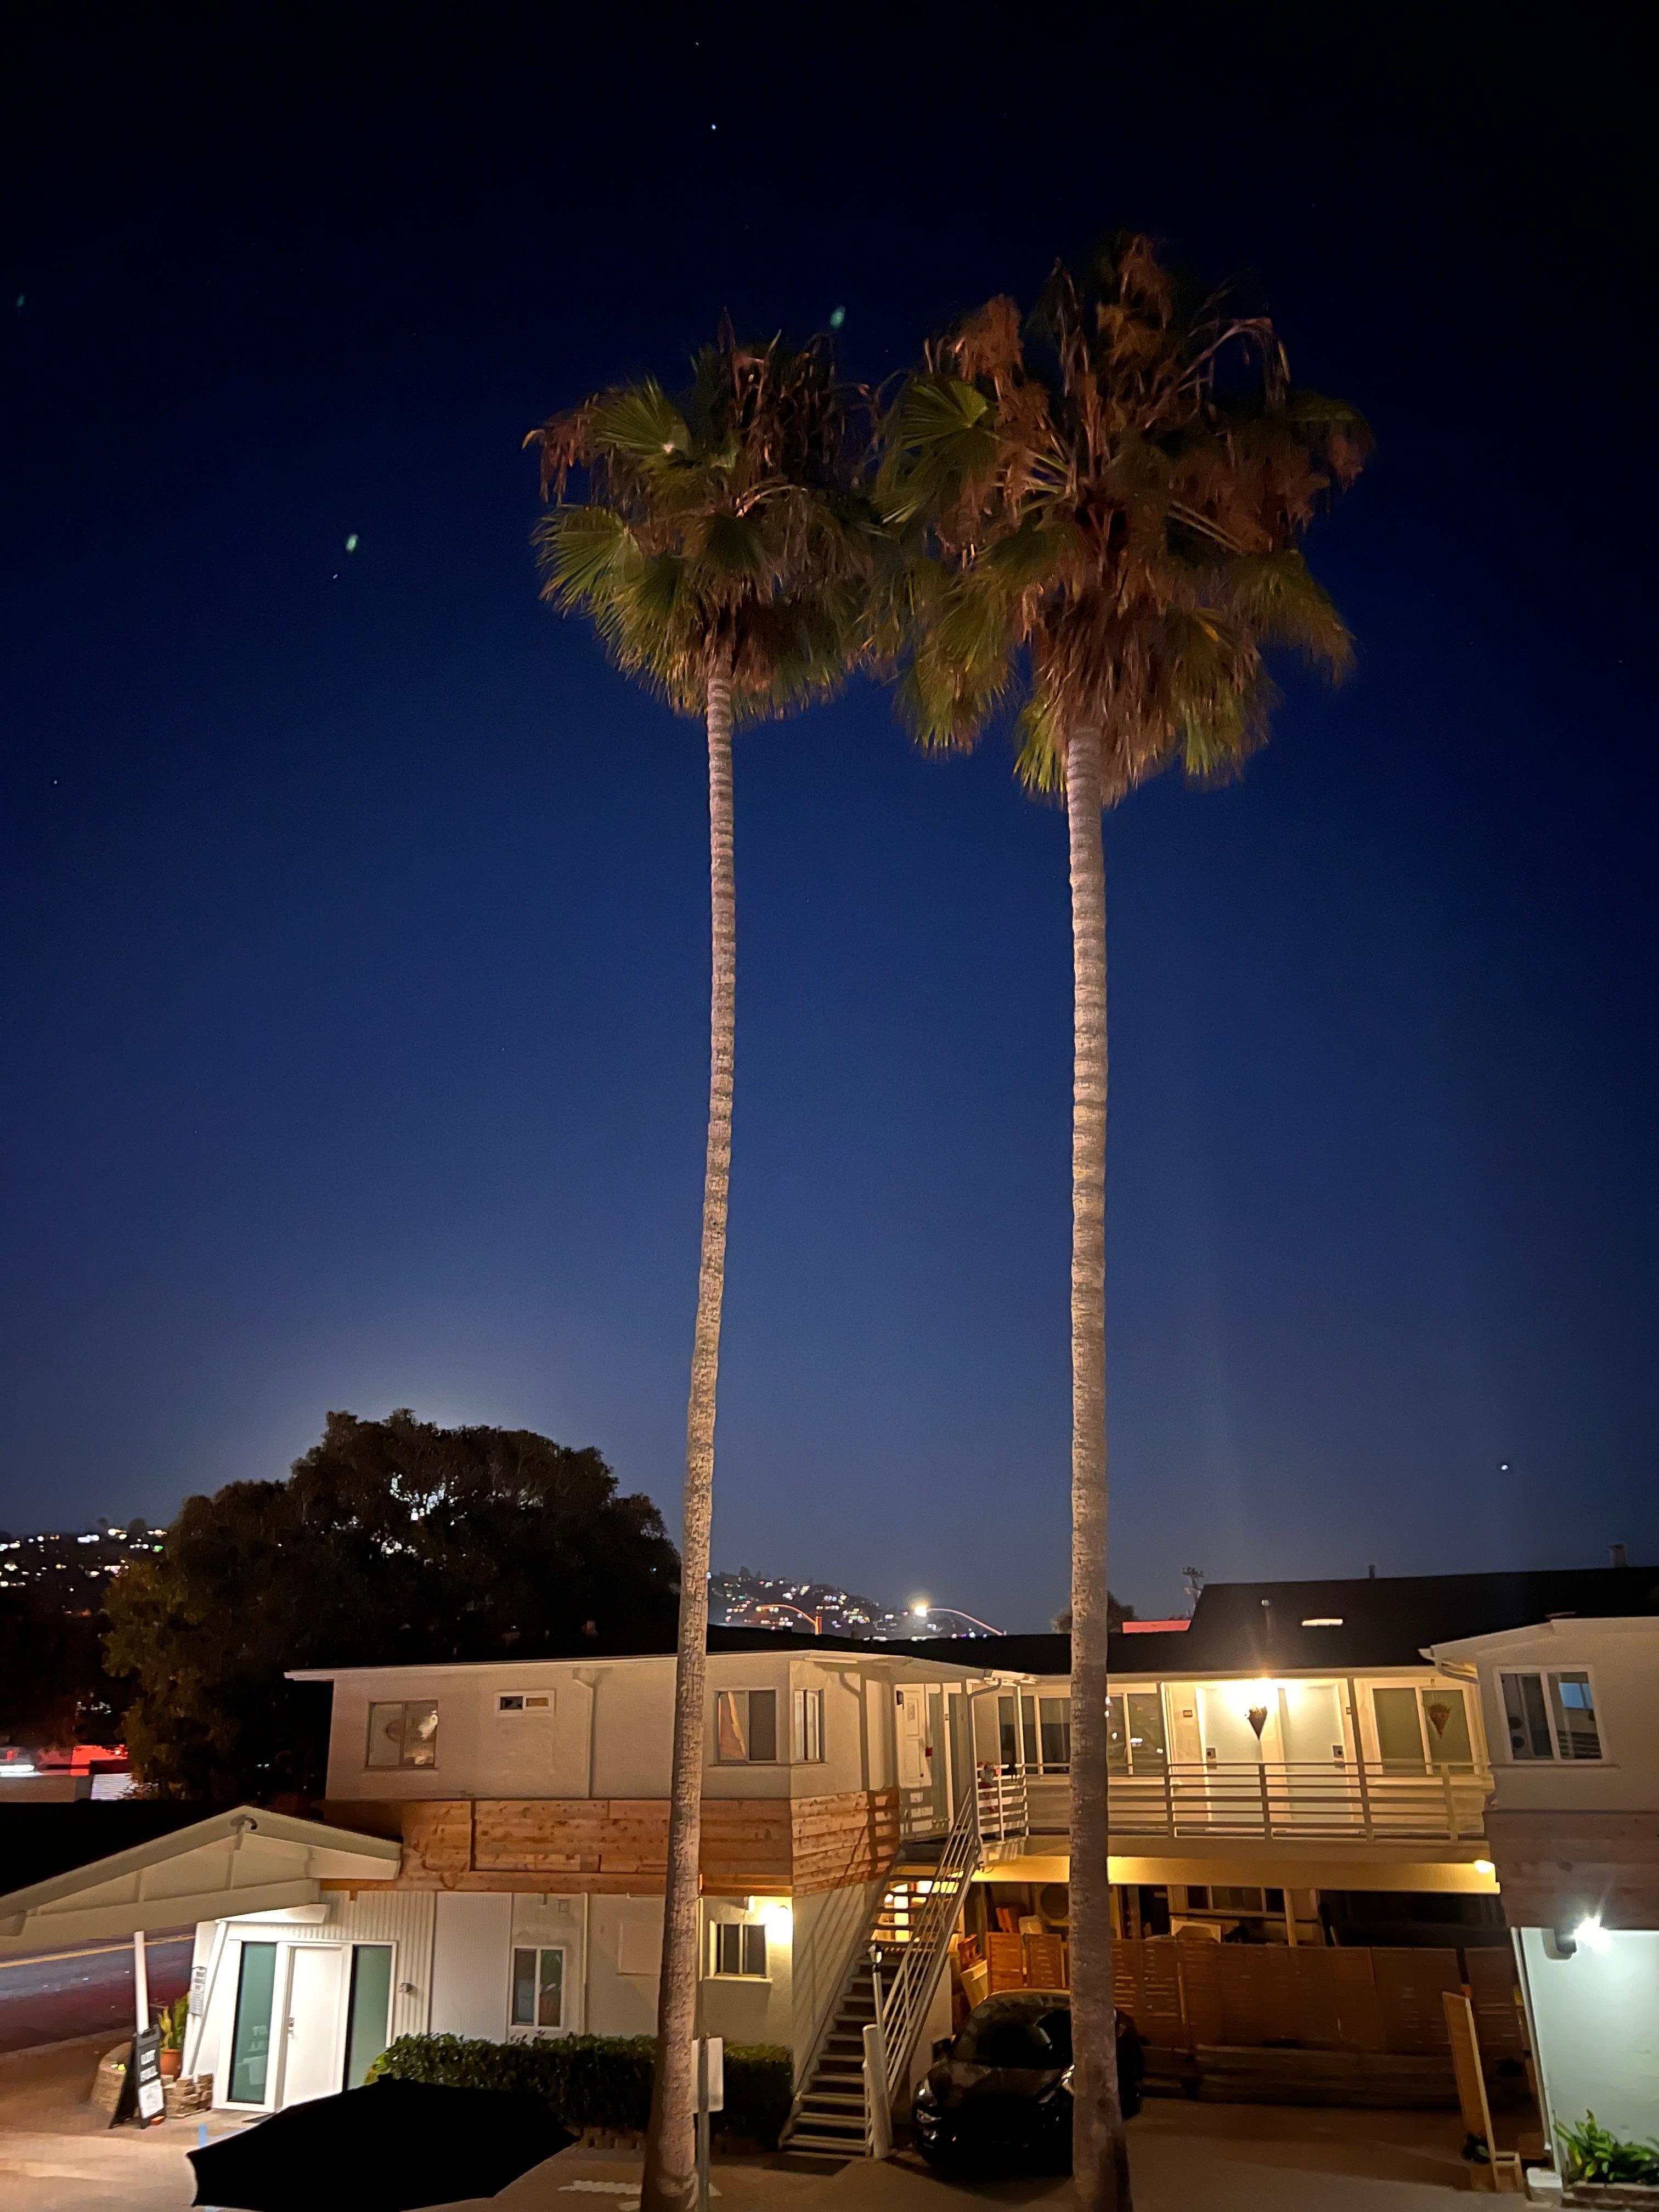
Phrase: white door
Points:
(312, 2062)
(916, 1771)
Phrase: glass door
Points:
(250, 2047)
(368, 2018)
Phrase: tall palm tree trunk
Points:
(1099, 2152)
(670, 2179)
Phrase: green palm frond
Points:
(733, 544)
(1277, 595)
(586, 551)
(1039, 759)
(1101, 513)
(940, 437)
(729, 523)
(640, 422)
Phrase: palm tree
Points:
(1104, 514)
(720, 559)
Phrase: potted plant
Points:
(171, 2020)
(1598, 2168)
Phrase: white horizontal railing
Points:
(1004, 1806)
(1311, 1800)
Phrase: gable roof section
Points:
(243, 1860)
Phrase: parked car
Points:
(1003, 2083)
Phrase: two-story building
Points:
(1570, 1701)
(1303, 1765)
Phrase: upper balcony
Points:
(1348, 1802)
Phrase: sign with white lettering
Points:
(147, 2075)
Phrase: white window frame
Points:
(402, 1764)
(806, 1728)
(748, 1759)
(747, 1931)
(530, 2031)
(1546, 1675)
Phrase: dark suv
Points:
(1003, 2082)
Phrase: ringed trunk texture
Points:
(1100, 2154)
(669, 2178)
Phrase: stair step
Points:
(824, 2147)
(832, 2104)
(831, 2127)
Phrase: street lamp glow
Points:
(920, 1611)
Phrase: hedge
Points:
(596, 2081)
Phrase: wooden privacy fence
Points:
(1182, 1992)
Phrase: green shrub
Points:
(596, 2081)
(1593, 2152)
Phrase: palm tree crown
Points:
(719, 527)
(1110, 522)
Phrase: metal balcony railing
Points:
(1313, 1800)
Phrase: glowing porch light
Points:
(1590, 1933)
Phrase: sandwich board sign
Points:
(142, 2097)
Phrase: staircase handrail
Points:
(905, 1998)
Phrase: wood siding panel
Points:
(1359, 2013)
(1495, 1993)
(437, 1837)
(607, 1845)
(1410, 1985)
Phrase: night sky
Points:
(352, 1003)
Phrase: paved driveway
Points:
(56, 2155)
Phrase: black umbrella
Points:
(387, 2149)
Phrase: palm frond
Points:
(939, 436)
(586, 551)
(640, 423)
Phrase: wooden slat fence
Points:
(1183, 1993)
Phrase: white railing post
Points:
(876, 2105)
(1451, 1803)
(1365, 1820)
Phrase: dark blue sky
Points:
(354, 993)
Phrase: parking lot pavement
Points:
(57, 2154)
(1233, 2158)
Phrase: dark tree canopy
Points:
(392, 1541)
(53, 1690)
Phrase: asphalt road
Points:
(59, 1993)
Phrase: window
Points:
(1135, 1739)
(745, 1727)
(1036, 1733)
(404, 1735)
(525, 1701)
(1055, 1733)
(538, 1987)
(809, 1727)
(738, 1946)
(1415, 1725)
(1551, 1716)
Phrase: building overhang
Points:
(1452, 1869)
(226, 1867)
